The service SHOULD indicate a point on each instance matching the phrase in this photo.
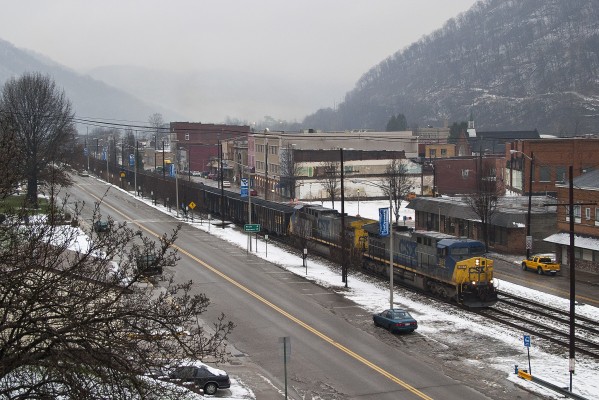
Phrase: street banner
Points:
(384, 221)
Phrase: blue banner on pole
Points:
(244, 187)
(384, 221)
(131, 160)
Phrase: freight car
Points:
(452, 268)
(323, 225)
(274, 218)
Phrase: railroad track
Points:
(546, 322)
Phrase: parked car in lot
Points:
(253, 192)
(542, 264)
(202, 376)
(101, 226)
(395, 320)
(147, 265)
(83, 173)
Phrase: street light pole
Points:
(528, 215)
(528, 234)
(382, 187)
(390, 248)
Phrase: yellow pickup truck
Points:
(542, 264)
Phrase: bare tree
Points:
(485, 199)
(10, 156)
(43, 124)
(157, 123)
(398, 182)
(79, 325)
(289, 169)
(331, 179)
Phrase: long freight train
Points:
(450, 267)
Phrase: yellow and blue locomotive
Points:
(452, 268)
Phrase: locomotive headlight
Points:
(477, 262)
(473, 283)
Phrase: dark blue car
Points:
(395, 320)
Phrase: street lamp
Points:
(384, 187)
(528, 235)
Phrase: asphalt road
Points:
(335, 352)
(586, 284)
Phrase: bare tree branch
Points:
(85, 324)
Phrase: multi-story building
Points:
(197, 143)
(551, 160)
(462, 175)
(287, 164)
(586, 222)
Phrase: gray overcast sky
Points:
(324, 43)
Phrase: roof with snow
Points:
(511, 210)
(585, 242)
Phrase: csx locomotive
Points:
(453, 268)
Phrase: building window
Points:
(187, 136)
(560, 174)
(433, 152)
(596, 216)
(577, 214)
(465, 173)
(587, 213)
(545, 174)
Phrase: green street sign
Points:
(251, 227)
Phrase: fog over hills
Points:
(517, 64)
(511, 64)
(212, 96)
(91, 98)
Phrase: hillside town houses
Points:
(529, 172)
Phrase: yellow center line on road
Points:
(283, 312)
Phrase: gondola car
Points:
(452, 268)
(274, 218)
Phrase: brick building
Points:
(197, 143)
(507, 233)
(461, 175)
(551, 160)
(586, 222)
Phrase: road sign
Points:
(251, 227)
(192, 205)
(123, 174)
(527, 340)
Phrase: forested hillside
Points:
(91, 98)
(513, 64)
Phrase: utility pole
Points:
(528, 235)
(265, 167)
(572, 263)
(343, 255)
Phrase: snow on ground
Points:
(439, 322)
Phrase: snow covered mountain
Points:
(511, 64)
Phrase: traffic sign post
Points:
(251, 227)
(527, 345)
